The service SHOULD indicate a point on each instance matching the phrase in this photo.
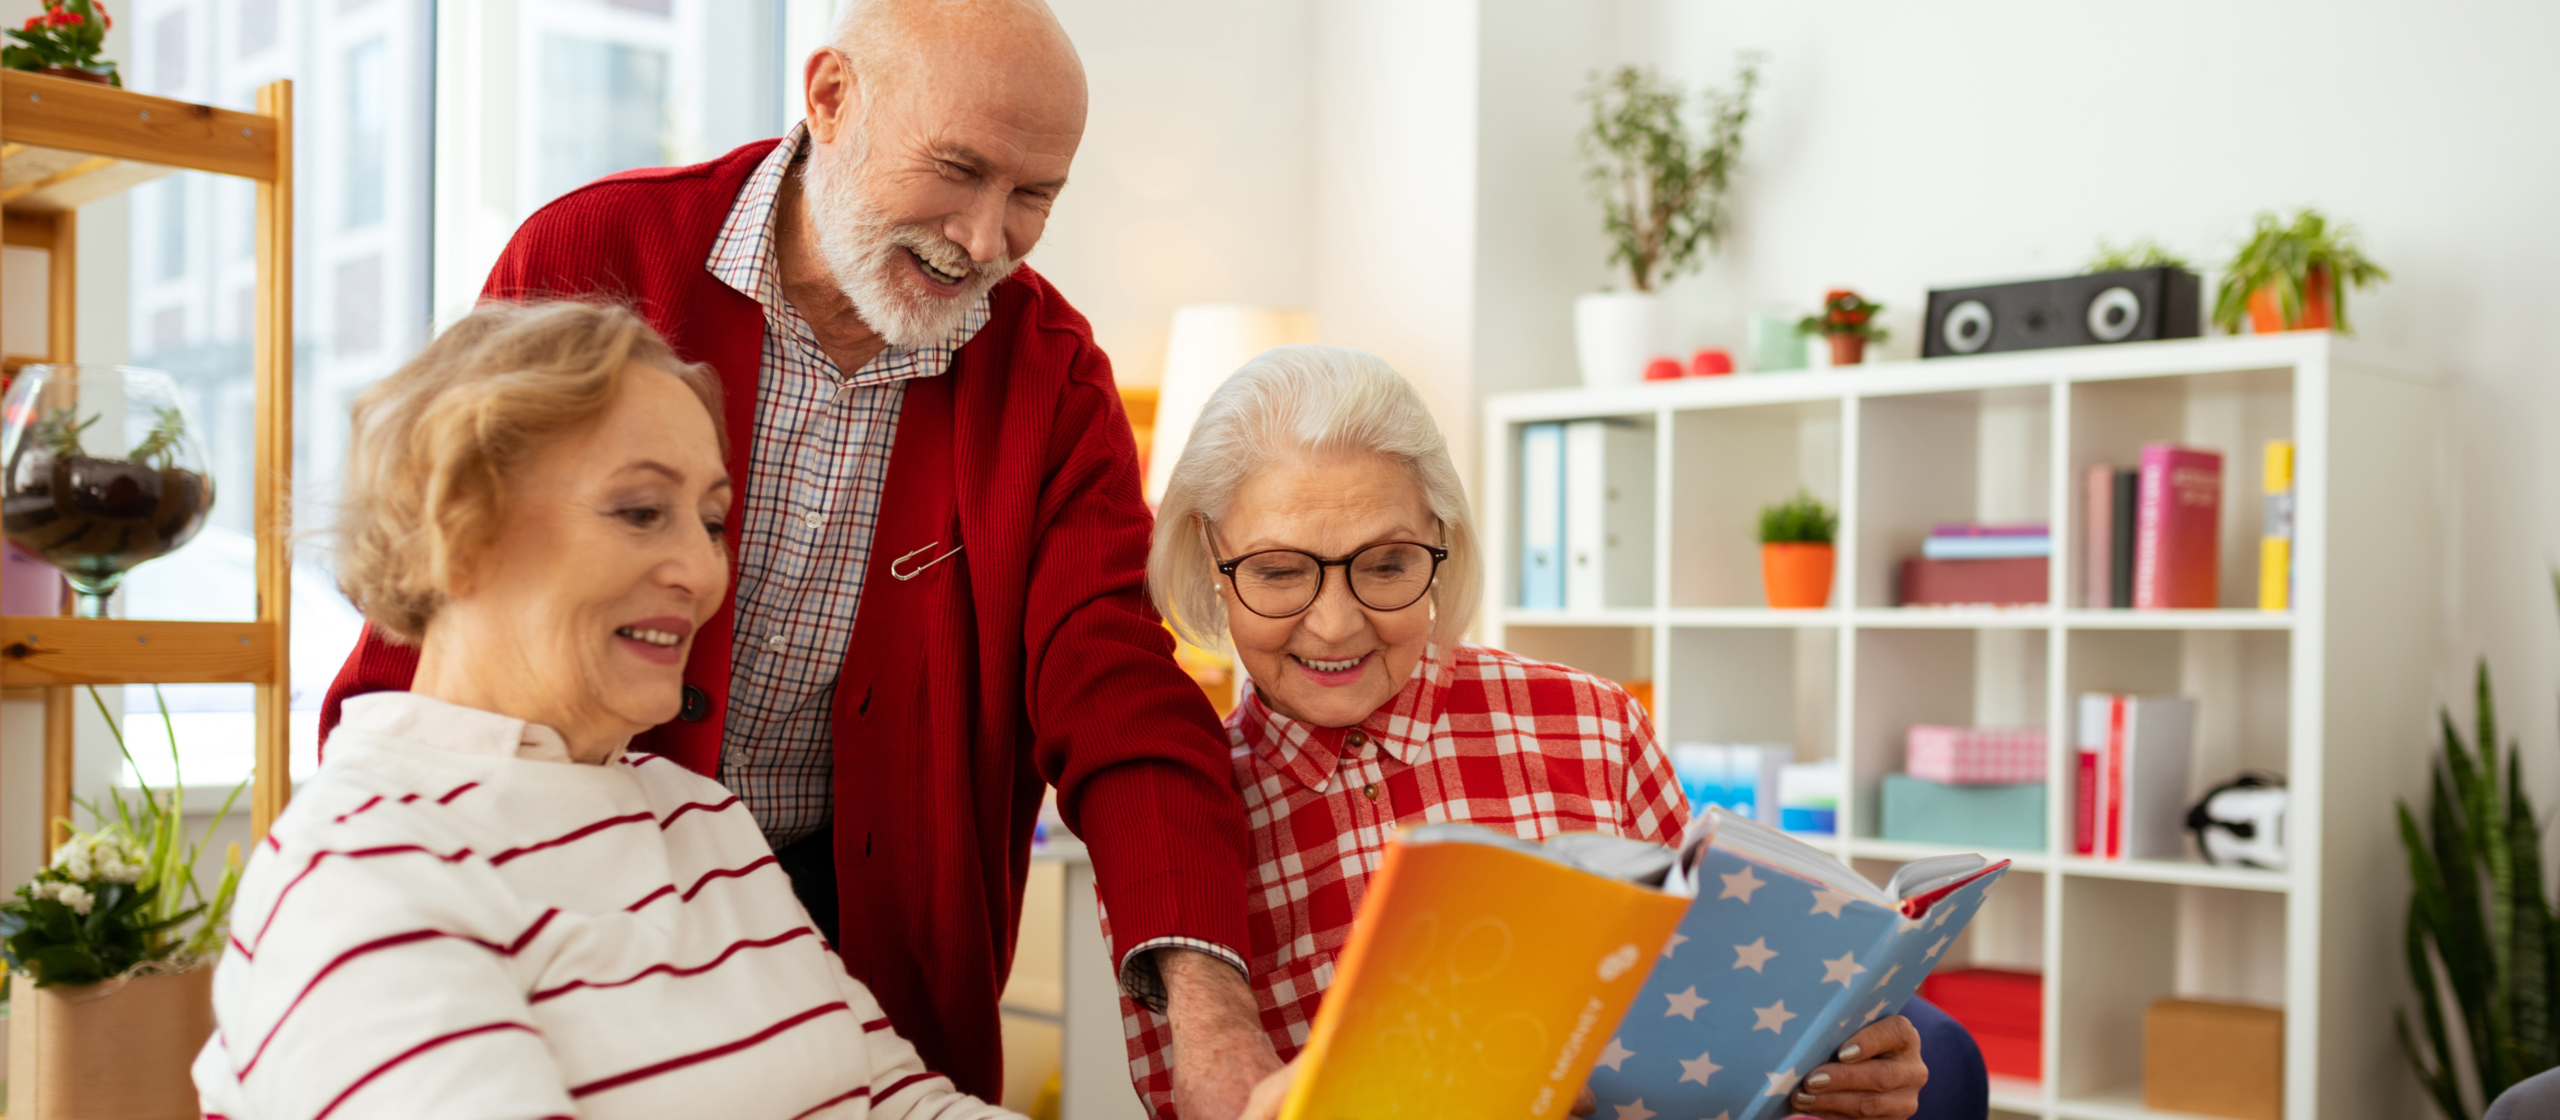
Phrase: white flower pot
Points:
(1616, 333)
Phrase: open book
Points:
(1785, 953)
(1483, 974)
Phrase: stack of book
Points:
(2152, 538)
(1965, 564)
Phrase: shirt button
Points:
(812, 519)
(775, 642)
(1370, 791)
(1355, 738)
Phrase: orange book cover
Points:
(1479, 981)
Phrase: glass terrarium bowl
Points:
(100, 471)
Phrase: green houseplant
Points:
(112, 989)
(2481, 944)
(2293, 275)
(1848, 321)
(64, 41)
(1796, 552)
(2141, 252)
(1660, 182)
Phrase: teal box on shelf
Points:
(1967, 816)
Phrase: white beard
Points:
(867, 254)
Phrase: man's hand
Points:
(1879, 1074)
(1219, 1051)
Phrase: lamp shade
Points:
(1209, 341)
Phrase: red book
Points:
(2010, 582)
(2098, 549)
(2177, 529)
(2113, 786)
(2084, 825)
(2002, 1010)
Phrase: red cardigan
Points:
(1029, 659)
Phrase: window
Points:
(604, 109)
(368, 124)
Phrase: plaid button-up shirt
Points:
(1479, 736)
(819, 458)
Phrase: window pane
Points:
(604, 109)
(368, 130)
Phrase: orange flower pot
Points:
(1847, 349)
(2266, 312)
(1796, 575)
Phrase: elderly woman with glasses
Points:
(1316, 522)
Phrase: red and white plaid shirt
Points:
(1478, 735)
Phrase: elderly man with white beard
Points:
(940, 543)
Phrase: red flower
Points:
(32, 23)
(67, 19)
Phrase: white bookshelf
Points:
(2336, 694)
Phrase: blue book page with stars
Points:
(1769, 973)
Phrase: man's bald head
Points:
(971, 44)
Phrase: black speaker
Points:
(2136, 305)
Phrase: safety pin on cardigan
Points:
(918, 570)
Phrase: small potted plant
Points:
(1796, 551)
(2288, 276)
(1848, 320)
(1661, 188)
(64, 41)
(112, 992)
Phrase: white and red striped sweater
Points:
(453, 920)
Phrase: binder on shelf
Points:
(1742, 779)
(1542, 516)
(2177, 535)
(2135, 753)
(1608, 515)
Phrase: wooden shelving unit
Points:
(2337, 694)
(64, 144)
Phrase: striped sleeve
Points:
(378, 980)
(901, 1087)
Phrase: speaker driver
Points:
(1968, 327)
(2115, 314)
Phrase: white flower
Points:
(76, 898)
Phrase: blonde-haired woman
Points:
(1316, 522)
(481, 905)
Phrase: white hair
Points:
(1287, 402)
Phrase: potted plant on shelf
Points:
(1796, 551)
(1661, 189)
(64, 41)
(2293, 276)
(112, 991)
(1848, 321)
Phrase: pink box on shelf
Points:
(1975, 756)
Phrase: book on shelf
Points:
(1985, 548)
(2120, 538)
(2018, 581)
(1608, 515)
(2097, 538)
(1532, 952)
(2003, 1009)
(1980, 529)
(1542, 516)
(2177, 530)
(1785, 953)
(2135, 754)
(2275, 545)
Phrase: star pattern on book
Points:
(1740, 884)
(1780, 1083)
(1773, 1018)
(1635, 1111)
(1684, 1004)
(1698, 1071)
(1876, 1012)
(1887, 978)
(1677, 939)
(1828, 901)
(1614, 1054)
(1839, 971)
(1944, 913)
(1754, 956)
(1938, 948)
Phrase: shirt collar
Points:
(446, 726)
(743, 257)
(1402, 727)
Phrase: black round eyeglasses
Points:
(1386, 576)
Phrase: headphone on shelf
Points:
(2241, 822)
